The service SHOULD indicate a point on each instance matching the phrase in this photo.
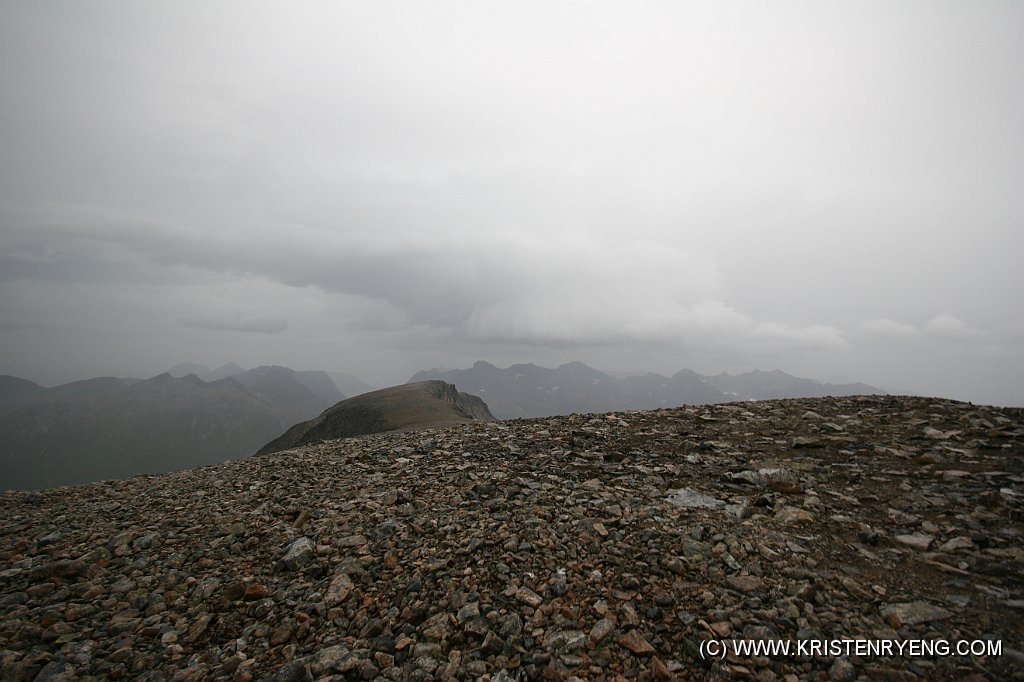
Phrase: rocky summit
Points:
(595, 546)
(419, 405)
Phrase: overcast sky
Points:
(829, 188)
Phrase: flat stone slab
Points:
(790, 516)
(916, 540)
(745, 583)
(684, 497)
(914, 612)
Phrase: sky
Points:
(831, 189)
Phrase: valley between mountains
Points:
(588, 546)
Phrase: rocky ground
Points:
(588, 546)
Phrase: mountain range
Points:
(527, 390)
(192, 415)
(112, 428)
(345, 383)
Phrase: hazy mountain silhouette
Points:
(108, 428)
(291, 394)
(532, 391)
(758, 385)
(423, 404)
(348, 384)
(528, 390)
(185, 368)
(321, 385)
(16, 393)
(651, 391)
(223, 372)
(229, 369)
(329, 386)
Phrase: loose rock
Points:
(586, 546)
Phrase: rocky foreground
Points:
(593, 546)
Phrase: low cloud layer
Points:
(948, 326)
(884, 327)
(557, 291)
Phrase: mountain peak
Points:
(418, 405)
(227, 370)
(184, 368)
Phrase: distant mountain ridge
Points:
(350, 385)
(526, 390)
(331, 386)
(16, 393)
(758, 385)
(425, 404)
(112, 428)
(294, 395)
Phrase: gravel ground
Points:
(590, 546)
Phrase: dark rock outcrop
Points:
(425, 404)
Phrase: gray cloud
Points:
(885, 327)
(830, 189)
(237, 323)
(948, 326)
(556, 291)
